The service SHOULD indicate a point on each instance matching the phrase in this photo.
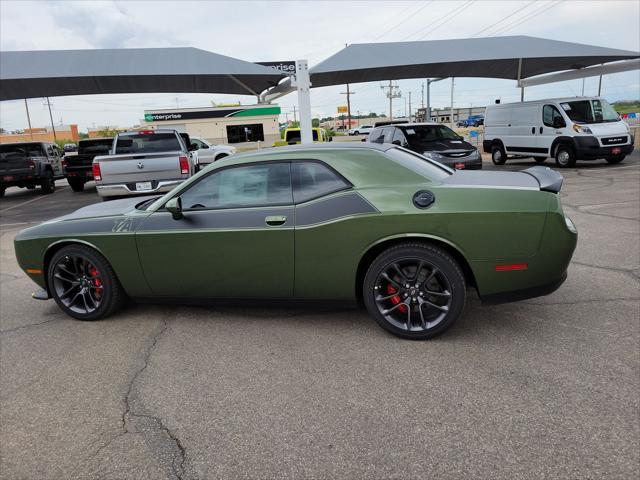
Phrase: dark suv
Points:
(432, 140)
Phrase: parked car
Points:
(28, 164)
(292, 136)
(461, 123)
(78, 168)
(475, 120)
(206, 152)
(70, 147)
(432, 140)
(567, 129)
(376, 223)
(360, 130)
(143, 162)
(382, 123)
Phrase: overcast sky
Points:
(263, 31)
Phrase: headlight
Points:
(581, 129)
(433, 155)
(570, 226)
(475, 154)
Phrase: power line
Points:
(503, 19)
(411, 15)
(535, 13)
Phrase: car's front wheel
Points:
(48, 183)
(565, 157)
(498, 155)
(76, 185)
(83, 284)
(414, 290)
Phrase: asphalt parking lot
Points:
(545, 388)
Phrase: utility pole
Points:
(348, 93)
(48, 104)
(422, 96)
(583, 79)
(393, 92)
(429, 82)
(28, 118)
(452, 80)
(294, 114)
(409, 106)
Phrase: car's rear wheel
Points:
(498, 155)
(76, 185)
(540, 159)
(83, 284)
(414, 290)
(565, 157)
(48, 183)
(614, 160)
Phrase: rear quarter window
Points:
(424, 167)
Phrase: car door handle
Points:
(533, 130)
(275, 220)
(540, 129)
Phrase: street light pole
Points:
(26, 106)
(55, 138)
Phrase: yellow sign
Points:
(342, 109)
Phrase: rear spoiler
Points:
(549, 180)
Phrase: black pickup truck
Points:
(78, 169)
(27, 164)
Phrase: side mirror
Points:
(174, 206)
(193, 146)
(558, 123)
(397, 142)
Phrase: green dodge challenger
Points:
(379, 224)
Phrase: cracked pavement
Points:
(548, 387)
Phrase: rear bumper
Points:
(124, 189)
(84, 173)
(19, 180)
(525, 293)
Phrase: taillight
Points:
(31, 164)
(96, 171)
(63, 164)
(145, 132)
(184, 165)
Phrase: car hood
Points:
(443, 146)
(117, 216)
(535, 178)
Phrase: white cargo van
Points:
(567, 129)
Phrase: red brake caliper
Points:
(93, 271)
(396, 298)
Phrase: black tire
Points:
(2, 190)
(30, 187)
(498, 155)
(437, 266)
(76, 185)
(48, 183)
(614, 160)
(540, 159)
(565, 157)
(111, 297)
(220, 157)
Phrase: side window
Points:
(312, 180)
(375, 135)
(49, 150)
(249, 186)
(551, 116)
(399, 136)
(200, 144)
(388, 134)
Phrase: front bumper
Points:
(588, 148)
(463, 163)
(128, 189)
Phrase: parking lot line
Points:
(28, 201)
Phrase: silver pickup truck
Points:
(143, 162)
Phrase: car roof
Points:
(316, 147)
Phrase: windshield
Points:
(147, 143)
(97, 147)
(424, 167)
(590, 111)
(21, 150)
(429, 133)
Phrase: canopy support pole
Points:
(243, 85)
(451, 122)
(520, 78)
(303, 85)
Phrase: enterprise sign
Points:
(227, 112)
(288, 67)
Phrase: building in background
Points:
(443, 115)
(229, 124)
(68, 133)
(107, 131)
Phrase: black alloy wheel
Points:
(415, 290)
(565, 157)
(83, 283)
